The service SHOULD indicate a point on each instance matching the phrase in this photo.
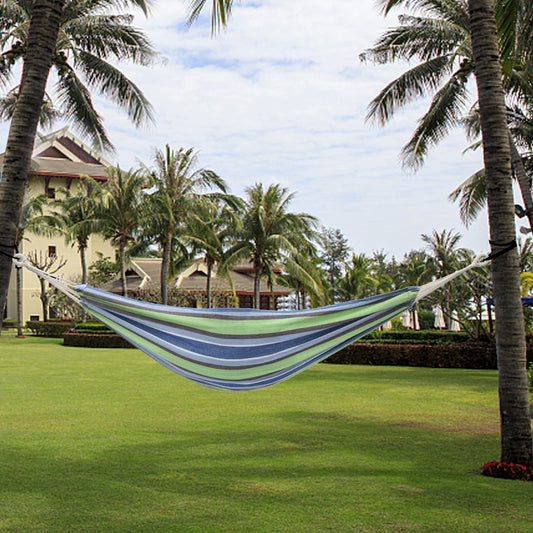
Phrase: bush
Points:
(506, 471)
(90, 340)
(49, 329)
(95, 328)
(417, 337)
(9, 323)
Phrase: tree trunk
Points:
(19, 302)
(208, 282)
(122, 260)
(515, 421)
(82, 248)
(165, 267)
(44, 299)
(258, 271)
(523, 181)
(42, 39)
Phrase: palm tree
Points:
(212, 227)
(303, 273)
(516, 439)
(358, 280)
(439, 41)
(76, 218)
(42, 37)
(269, 231)
(91, 38)
(446, 258)
(178, 184)
(122, 210)
(40, 47)
(32, 209)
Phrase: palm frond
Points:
(407, 87)
(111, 82)
(76, 105)
(444, 113)
(472, 197)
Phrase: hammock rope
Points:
(241, 349)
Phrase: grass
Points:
(96, 440)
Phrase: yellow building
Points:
(58, 161)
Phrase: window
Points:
(52, 252)
(51, 192)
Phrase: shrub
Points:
(417, 337)
(506, 471)
(48, 329)
(95, 328)
(90, 340)
(9, 323)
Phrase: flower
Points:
(506, 470)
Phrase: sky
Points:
(280, 96)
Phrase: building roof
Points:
(142, 271)
(62, 154)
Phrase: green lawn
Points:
(98, 440)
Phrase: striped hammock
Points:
(241, 349)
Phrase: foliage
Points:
(463, 355)
(95, 340)
(93, 327)
(102, 270)
(51, 328)
(93, 37)
(334, 253)
(506, 471)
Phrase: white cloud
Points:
(281, 95)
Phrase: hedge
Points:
(91, 340)
(93, 327)
(416, 337)
(478, 355)
(49, 329)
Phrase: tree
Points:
(42, 37)
(76, 218)
(516, 440)
(178, 184)
(334, 254)
(50, 264)
(212, 227)
(91, 38)
(122, 210)
(358, 280)
(446, 259)
(29, 216)
(438, 41)
(39, 53)
(270, 230)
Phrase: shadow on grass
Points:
(305, 471)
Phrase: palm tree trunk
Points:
(122, 260)
(44, 299)
(19, 302)
(258, 271)
(165, 267)
(82, 248)
(515, 420)
(523, 181)
(42, 38)
(208, 283)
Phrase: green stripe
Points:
(260, 327)
(235, 374)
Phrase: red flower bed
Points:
(506, 471)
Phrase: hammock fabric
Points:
(240, 349)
